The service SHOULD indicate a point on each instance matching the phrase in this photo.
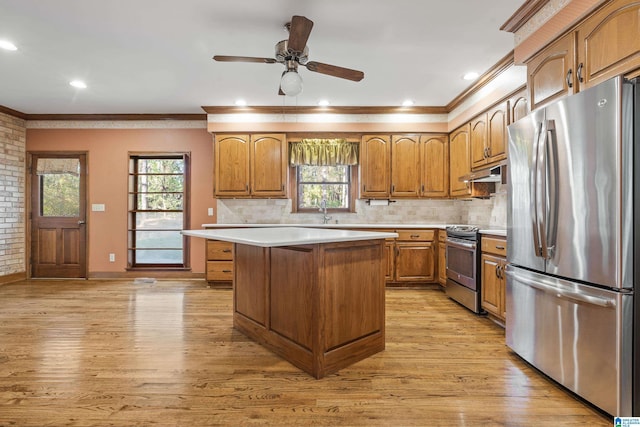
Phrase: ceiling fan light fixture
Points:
(291, 83)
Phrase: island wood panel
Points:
(329, 288)
(251, 285)
(292, 294)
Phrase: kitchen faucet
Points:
(323, 209)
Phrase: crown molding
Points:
(522, 15)
(14, 113)
(122, 117)
(482, 81)
(324, 110)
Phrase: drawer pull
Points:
(500, 247)
(415, 236)
(226, 251)
(226, 271)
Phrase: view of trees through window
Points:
(156, 210)
(317, 183)
(60, 193)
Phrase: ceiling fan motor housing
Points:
(283, 54)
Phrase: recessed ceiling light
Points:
(472, 75)
(323, 103)
(407, 103)
(78, 83)
(241, 103)
(7, 45)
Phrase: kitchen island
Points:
(313, 296)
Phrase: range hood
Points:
(490, 174)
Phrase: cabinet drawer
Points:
(416, 235)
(494, 245)
(219, 251)
(220, 270)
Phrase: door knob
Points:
(81, 222)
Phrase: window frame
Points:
(132, 201)
(353, 190)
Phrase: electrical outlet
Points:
(112, 257)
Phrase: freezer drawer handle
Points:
(572, 296)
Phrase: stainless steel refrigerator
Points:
(573, 244)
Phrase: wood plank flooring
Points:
(115, 353)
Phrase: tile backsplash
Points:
(491, 212)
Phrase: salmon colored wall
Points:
(107, 182)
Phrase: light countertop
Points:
(330, 226)
(498, 231)
(285, 236)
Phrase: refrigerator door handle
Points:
(534, 193)
(559, 293)
(551, 189)
(540, 195)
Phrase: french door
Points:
(58, 215)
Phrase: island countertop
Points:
(286, 236)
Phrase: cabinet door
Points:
(268, 165)
(435, 165)
(550, 74)
(415, 262)
(491, 294)
(405, 166)
(478, 141)
(231, 165)
(375, 166)
(389, 259)
(459, 161)
(609, 42)
(518, 106)
(497, 134)
(442, 263)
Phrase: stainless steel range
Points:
(463, 266)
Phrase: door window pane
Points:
(59, 187)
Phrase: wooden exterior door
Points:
(58, 215)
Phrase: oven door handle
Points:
(471, 245)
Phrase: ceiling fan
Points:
(294, 52)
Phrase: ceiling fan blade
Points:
(299, 33)
(335, 71)
(224, 58)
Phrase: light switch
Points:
(97, 207)
(210, 211)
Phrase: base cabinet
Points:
(493, 287)
(219, 262)
(442, 258)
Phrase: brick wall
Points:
(12, 195)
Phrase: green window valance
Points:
(323, 152)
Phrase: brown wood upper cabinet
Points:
(550, 74)
(488, 137)
(250, 165)
(609, 43)
(405, 166)
(518, 106)
(409, 166)
(459, 165)
(434, 156)
(605, 44)
(375, 166)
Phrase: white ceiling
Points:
(154, 56)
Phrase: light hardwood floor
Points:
(117, 353)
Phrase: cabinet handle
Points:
(282, 187)
(364, 188)
(579, 72)
(498, 271)
(226, 271)
(415, 236)
(500, 247)
(569, 75)
(423, 188)
(226, 251)
(247, 187)
(393, 188)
